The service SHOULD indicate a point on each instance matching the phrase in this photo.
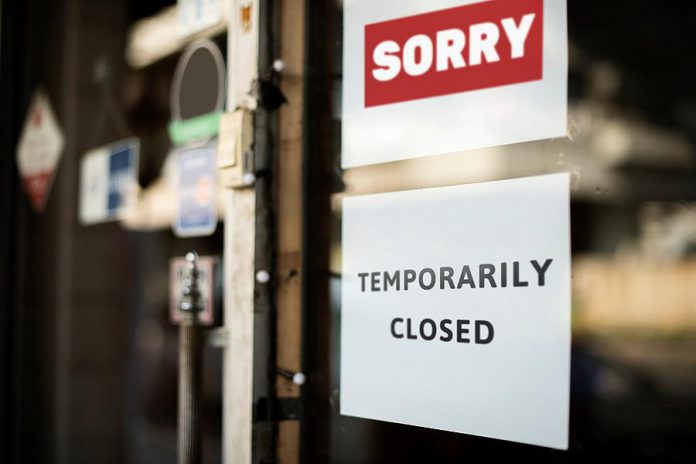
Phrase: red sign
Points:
(39, 150)
(472, 47)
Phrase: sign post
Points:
(190, 366)
(196, 115)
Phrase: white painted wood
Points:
(239, 321)
(239, 244)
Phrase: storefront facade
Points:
(87, 340)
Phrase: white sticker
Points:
(456, 309)
(424, 78)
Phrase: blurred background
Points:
(88, 356)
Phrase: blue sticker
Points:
(197, 192)
(121, 173)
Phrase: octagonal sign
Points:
(39, 150)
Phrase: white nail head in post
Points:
(299, 379)
(249, 179)
(278, 65)
(263, 276)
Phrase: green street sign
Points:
(200, 128)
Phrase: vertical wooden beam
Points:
(290, 217)
(239, 250)
(239, 321)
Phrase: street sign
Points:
(108, 181)
(424, 78)
(456, 309)
(39, 150)
(196, 191)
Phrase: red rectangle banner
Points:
(472, 47)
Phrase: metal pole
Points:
(190, 366)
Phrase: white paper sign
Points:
(456, 309)
(425, 77)
(108, 181)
